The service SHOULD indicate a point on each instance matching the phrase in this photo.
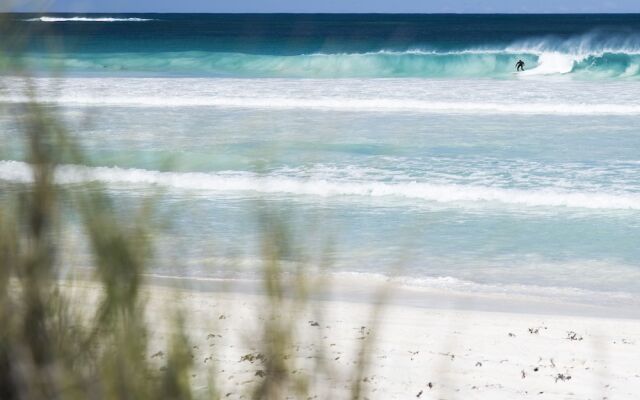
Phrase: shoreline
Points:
(417, 351)
(355, 290)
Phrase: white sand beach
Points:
(441, 352)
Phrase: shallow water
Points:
(527, 184)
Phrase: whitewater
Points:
(85, 19)
(325, 186)
(461, 96)
(590, 63)
(418, 146)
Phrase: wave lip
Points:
(269, 184)
(85, 19)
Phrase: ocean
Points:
(402, 146)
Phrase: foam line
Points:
(342, 104)
(272, 184)
(86, 19)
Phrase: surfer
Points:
(520, 65)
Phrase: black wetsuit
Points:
(520, 66)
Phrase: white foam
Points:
(588, 44)
(86, 19)
(554, 63)
(271, 184)
(341, 104)
(577, 47)
(418, 96)
(448, 284)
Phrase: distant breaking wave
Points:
(616, 63)
(596, 55)
(592, 56)
(15, 171)
(86, 19)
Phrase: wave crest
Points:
(85, 19)
(466, 64)
(593, 55)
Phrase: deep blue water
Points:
(289, 45)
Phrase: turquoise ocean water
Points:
(395, 144)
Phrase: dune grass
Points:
(52, 347)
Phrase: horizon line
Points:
(319, 13)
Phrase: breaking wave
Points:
(275, 184)
(586, 56)
(617, 64)
(86, 19)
